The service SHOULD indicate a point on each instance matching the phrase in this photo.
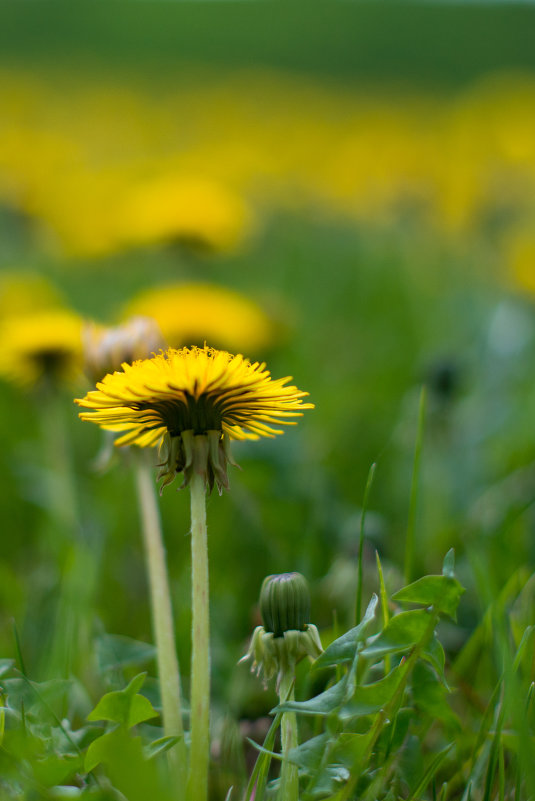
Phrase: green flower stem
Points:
(200, 655)
(162, 615)
(289, 786)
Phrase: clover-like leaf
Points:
(126, 706)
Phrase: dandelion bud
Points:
(285, 603)
(286, 636)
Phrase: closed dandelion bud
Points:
(285, 603)
(286, 636)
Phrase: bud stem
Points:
(289, 784)
(200, 655)
(162, 615)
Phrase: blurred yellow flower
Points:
(44, 345)
(520, 259)
(195, 211)
(23, 292)
(192, 314)
(193, 392)
(106, 349)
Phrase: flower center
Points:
(197, 414)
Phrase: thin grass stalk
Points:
(200, 653)
(369, 482)
(415, 490)
(289, 779)
(77, 562)
(162, 616)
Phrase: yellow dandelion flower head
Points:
(191, 314)
(193, 394)
(195, 211)
(107, 348)
(46, 344)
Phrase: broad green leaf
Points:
(124, 706)
(35, 695)
(115, 652)
(441, 592)
(309, 754)
(350, 748)
(54, 769)
(343, 649)
(102, 749)
(371, 698)
(431, 696)
(402, 632)
(323, 704)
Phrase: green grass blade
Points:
(415, 487)
(430, 773)
(367, 489)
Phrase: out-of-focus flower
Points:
(106, 349)
(194, 211)
(520, 259)
(46, 345)
(25, 292)
(192, 314)
(193, 394)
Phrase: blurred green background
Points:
(365, 175)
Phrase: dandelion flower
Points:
(105, 349)
(191, 314)
(194, 211)
(43, 345)
(192, 402)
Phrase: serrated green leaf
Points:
(441, 592)
(323, 704)
(343, 649)
(371, 698)
(402, 632)
(430, 695)
(309, 754)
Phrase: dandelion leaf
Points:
(343, 649)
(441, 592)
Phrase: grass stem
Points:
(415, 487)
(162, 616)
